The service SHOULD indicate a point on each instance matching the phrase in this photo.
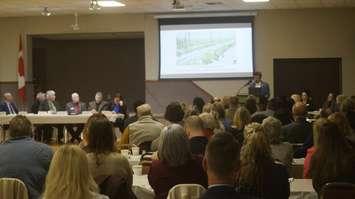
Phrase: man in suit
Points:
(40, 97)
(8, 105)
(51, 106)
(258, 87)
(299, 130)
(98, 104)
(221, 163)
(75, 107)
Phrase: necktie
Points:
(52, 107)
(11, 110)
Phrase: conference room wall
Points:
(305, 33)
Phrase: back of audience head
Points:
(340, 98)
(251, 104)
(348, 105)
(299, 110)
(272, 129)
(219, 111)
(241, 117)
(198, 103)
(316, 129)
(225, 101)
(20, 126)
(209, 121)
(207, 108)
(174, 113)
(69, 175)
(144, 110)
(233, 102)
(193, 124)
(174, 147)
(255, 156)
(258, 118)
(101, 138)
(222, 159)
(340, 119)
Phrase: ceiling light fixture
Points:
(46, 12)
(110, 3)
(255, 1)
(94, 5)
(178, 6)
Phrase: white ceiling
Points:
(62, 7)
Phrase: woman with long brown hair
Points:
(259, 175)
(334, 159)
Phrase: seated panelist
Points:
(75, 107)
(98, 104)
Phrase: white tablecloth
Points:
(59, 118)
(302, 189)
(299, 188)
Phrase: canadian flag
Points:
(21, 74)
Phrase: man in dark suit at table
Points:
(259, 88)
(221, 163)
(99, 104)
(75, 107)
(8, 105)
(51, 106)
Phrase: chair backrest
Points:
(338, 190)
(12, 188)
(116, 187)
(186, 191)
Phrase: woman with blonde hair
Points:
(69, 176)
(259, 175)
(241, 118)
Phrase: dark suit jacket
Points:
(297, 131)
(223, 192)
(264, 90)
(103, 106)
(44, 106)
(71, 110)
(4, 108)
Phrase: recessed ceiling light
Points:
(255, 1)
(110, 3)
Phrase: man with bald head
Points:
(8, 105)
(299, 129)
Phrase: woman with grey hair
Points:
(280, 151)
(176, 164)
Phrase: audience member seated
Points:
(198, 104)
(8, 105)
(75, 107)
(118, 106)
(316, 131)
(241, 119)
(344, 126)
(221, 164)
(233, 105)
(210, 124)
(69, 176)
(174, 114)
(219, 113)
(333, 160)
(259, 175)
(194, 130)
(23, 158)
(52, 106)
(40, 97)
(134, 117)
(251, 104)
(300, 129)
(270, 109)
(339, 101)
(104, 159)
(207, 108)
(145, 130)
(330, 103)
(283, 110)
(307, 100)
(259, 118)
(348, 108)
(281, 151)
(176, 164)
(98, 104)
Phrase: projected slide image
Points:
(206, 47)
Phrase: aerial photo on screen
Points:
(206, 47)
